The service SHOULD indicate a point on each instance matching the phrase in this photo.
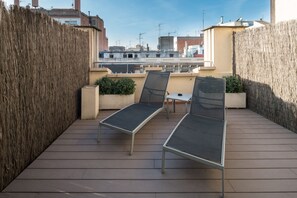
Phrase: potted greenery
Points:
(115, 94)
(235, 96)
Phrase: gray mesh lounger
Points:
(200, 135)
(132, 118)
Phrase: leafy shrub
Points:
(123, 86)
(106, 85)
(233, 84)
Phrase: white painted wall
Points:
(285, 10)
(208, 47)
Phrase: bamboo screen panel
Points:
(43, 66)
(266, 60)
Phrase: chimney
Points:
(35, 3)
(222, 20)
(272, 11)
(77, 5)
(17, 2)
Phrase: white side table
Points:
(175, 96)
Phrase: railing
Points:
(151, 60)
(140, 65)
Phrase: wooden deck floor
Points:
(261, 161)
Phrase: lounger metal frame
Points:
(195, 158)
(132, 133)
(219, 166)
(135, 130)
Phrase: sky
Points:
(125, 20)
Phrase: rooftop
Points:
(65, 12)
(261, 161)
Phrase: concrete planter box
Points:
(89, 102)
(235, 100)
(115, 101)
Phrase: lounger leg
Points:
(132, 144)
(99, 131)
(167, 108)
(163, 161)
(173, 103)
(167, 113)
(223, 183)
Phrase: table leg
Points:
(186, 107)
(173, 106)
(167, 108)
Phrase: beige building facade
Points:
(218, 48)
(94, 35)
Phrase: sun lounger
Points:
(132, 118)
(200, 135)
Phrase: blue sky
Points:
(125, 19)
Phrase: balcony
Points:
(260, 162)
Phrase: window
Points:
(135, 56)
(158, 55)
(93, 23)
(125, 56)
(130, 55)
(110, 55)
(71, 22)
(171, 55)
(147, 55)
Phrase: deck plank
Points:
(261, 162)
(126, 174)
(91, 155)
(147, 195)
(118, 186)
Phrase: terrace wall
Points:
(266, 60)
(178, 82)
(43, 66)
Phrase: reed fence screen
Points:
(43, 66)
(266, 60)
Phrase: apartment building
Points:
(97, 22)
(183, 42)
(166, 43)
(75, 17)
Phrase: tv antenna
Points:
(140, 37)
(203, 13)
(159, 28)
(171, 33)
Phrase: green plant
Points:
(123, 86)
(106, 85)
(233, 84)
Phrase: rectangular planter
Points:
(115, 101)
(235, 100)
